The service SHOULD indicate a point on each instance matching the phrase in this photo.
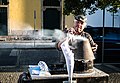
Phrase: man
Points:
(78, 29)
(77, 47)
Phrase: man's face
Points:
(79, 26)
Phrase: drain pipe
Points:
(34, 25)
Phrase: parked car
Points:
(108, 40)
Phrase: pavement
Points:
(113, 71)
(10, 74)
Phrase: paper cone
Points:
(69, 57)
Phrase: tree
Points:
(82, 6)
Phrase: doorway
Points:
(51, 14)
(51, 19)
(3, 21)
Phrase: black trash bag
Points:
(24, 78)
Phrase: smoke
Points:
(76, 37)
(47, 34)
(58, 34)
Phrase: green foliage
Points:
(81, 6)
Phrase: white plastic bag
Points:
(43, 66)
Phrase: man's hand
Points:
(61, 41)
(94, 48)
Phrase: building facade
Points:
(22, 15)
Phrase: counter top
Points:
(96, 73)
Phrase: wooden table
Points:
(97, 76)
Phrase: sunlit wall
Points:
(21, 15)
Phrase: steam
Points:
(20, 29)
(55, 34)
(58, 34)
(47, 34)
(76, 37)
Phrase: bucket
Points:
(82, 49)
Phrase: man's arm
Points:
(94, 46)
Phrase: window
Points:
(3, 17)
(3, 2)
(51, 3)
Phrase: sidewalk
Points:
(114, 72)
(11, 74)
(9, 77)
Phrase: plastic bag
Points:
(43, 66)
